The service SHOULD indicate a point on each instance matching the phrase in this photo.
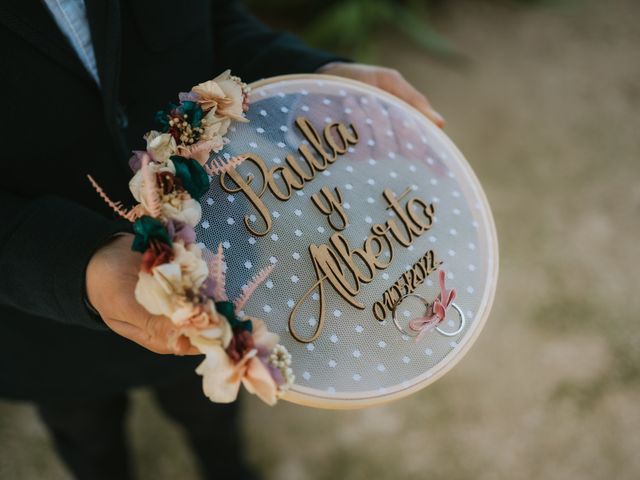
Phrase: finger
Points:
(181, 345)
(155, 326)
(418, 100)
(138, 335)
(396, 84)
(184, 347)
(154, 332)
(161, 345)
(159, 327)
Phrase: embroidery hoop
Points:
(304, 395)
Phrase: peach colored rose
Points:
(222, 378)
(223, 95)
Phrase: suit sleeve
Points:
(45, 246)
(253, 51)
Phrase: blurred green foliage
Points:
(349, 27)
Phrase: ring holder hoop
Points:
(427, 304)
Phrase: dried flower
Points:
(160, 146)
(222, 377)
(214, 129)
(224, 95)
(241, 343)
(136, 184)
(181, 208)
(168, 287)
(157, 254)
(193, 177)
(180, 231)
(147, 229)
(174, 279)
(182, 122)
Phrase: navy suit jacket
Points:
(57, 126)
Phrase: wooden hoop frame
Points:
(309, 397)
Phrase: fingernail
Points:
(437, 118)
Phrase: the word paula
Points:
(293, 175)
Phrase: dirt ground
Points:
(546, 110)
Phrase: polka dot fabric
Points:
(356, 359)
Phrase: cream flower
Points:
(174, 206)
(164, 290)
(217, 371)
(218, 332)
(258, 380)
(215, 127)
(221, 377)
(160, 146)
(262, 336)
(207, 329)
(224, 94)
(194, 269)
(155, 294)
(182, 208)
(136, 183)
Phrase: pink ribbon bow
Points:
(436, 312)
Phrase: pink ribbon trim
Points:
(436, 312)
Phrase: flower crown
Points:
(181, 280)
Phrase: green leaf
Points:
(227, 309)
(194, 178)
(146, 229)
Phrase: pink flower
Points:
(222, 377)
(224, 94)
(243, 362)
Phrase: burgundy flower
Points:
(168, 182)
(158, 253)
(241, 343)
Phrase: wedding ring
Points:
(396, 322)
(427, 304)
(463, 322)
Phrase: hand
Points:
(111, 279)
(386, 79)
